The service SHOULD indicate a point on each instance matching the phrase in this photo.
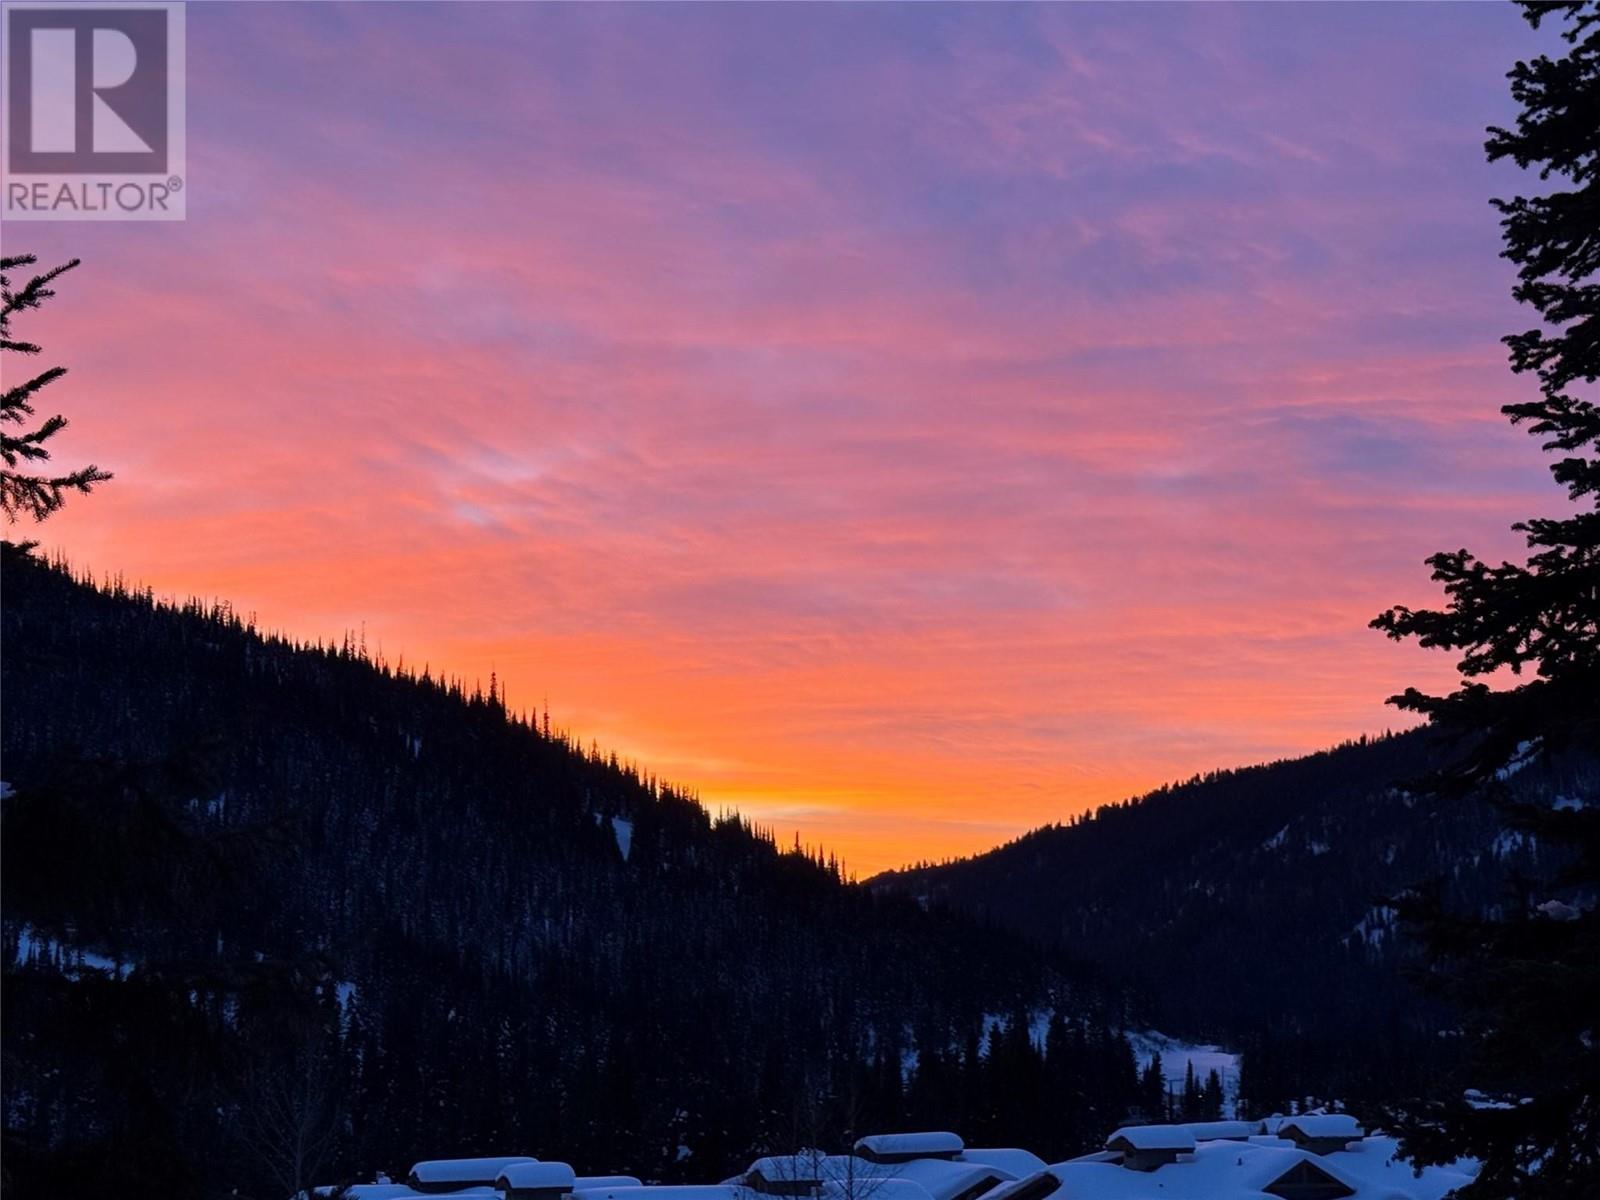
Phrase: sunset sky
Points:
(906, 424)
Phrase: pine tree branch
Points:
(14, 403)
(23, 494)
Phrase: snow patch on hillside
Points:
(1376, 925)
(1509, 841)
(1525, 753)
(33, 946)
(1038, 1027)
(624, 834)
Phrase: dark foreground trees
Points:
(1528, 983)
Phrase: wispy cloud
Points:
(910, 423)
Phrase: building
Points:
(536, 1181)
(1321, 1133)
(454, 1175)
(1221, 1161)
(1321, 1156)
(1146, 1147)
(897, 1166)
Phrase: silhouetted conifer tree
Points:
(1528, 982)
(1153, 1090)
(21, 491)
(1211, 1096)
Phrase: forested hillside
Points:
(1248, 905)
(269, 905)
(273, 910)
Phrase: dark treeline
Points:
(278, 914)
(1198, 1100)
(1250, 906)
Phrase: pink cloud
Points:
(870, 423)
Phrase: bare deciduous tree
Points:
(289, 1116)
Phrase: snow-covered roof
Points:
(1215, 1171)
(945, 1180)
(538, 1175)
(372, 1191)
(1227, 1170)
(1208, 1131)
(1321, 1125)
(882, 1187)
(1152, 1137)
(790, 1167)
(934, 1178)
(1011, 1160)
(1209, 1169)
(463, 1172)
(1375, 1164)
(889, 1146)
(706, 1191)
(1024, 1186)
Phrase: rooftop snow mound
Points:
(1010, 1159)
(923, 1178)
(452, 1174)
(943, 1179)
(705, 1191)
(903, 1147)
(1261, 1169)
(1152, 1137)
(775, 1170)
(1321, 1125)
(885, 1187)
(1217, 1171)
(542, 1176)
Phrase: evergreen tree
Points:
(1528, 982)
(1247, 1105)
(1153, 1090)
(22, 492)
(1211, 1097)
(1191, 1094)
